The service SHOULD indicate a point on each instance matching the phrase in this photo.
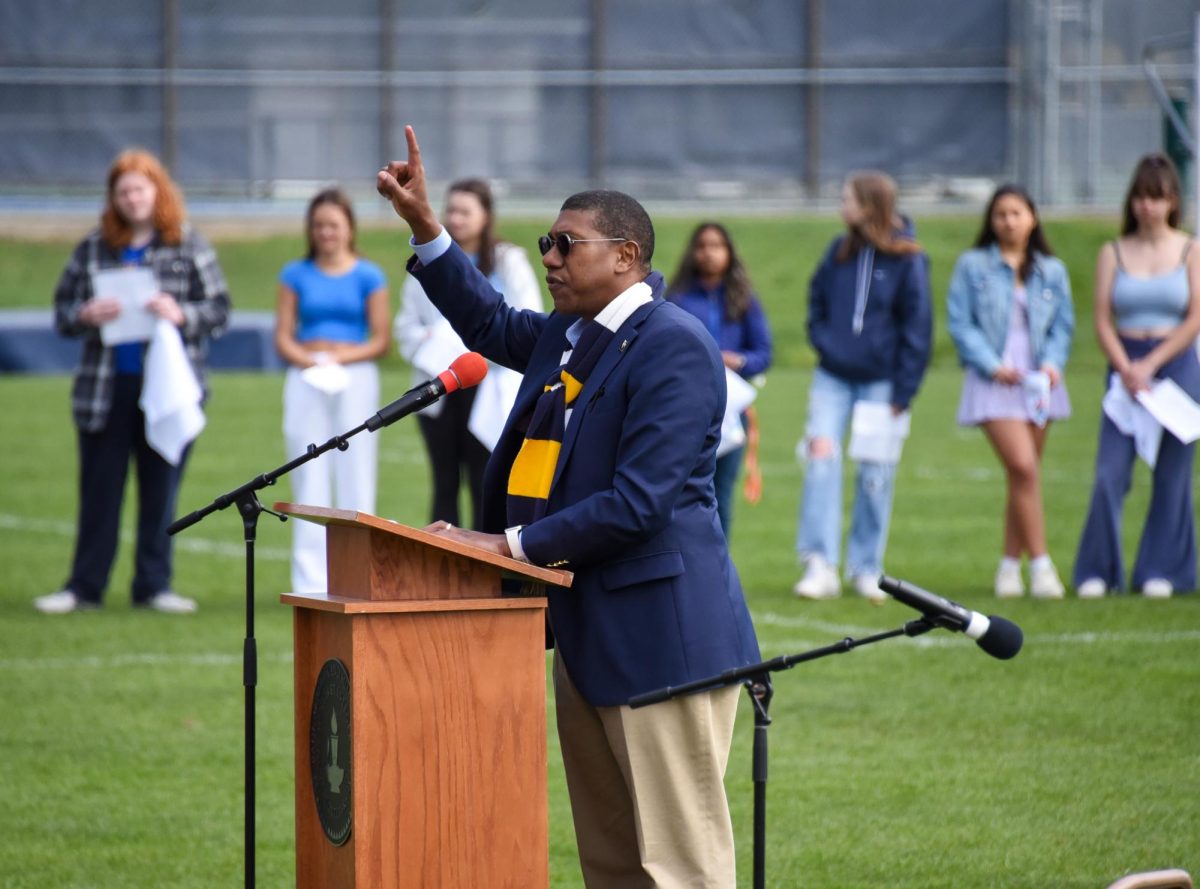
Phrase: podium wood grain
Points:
(448, 777)
(448, 712)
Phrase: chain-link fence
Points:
(698, 99)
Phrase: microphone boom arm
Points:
(914, 627)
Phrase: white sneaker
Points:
(170, 602)
(1157, 588)
(1092, 588)
(1044, 582)
(867, 586)
(1008, 582)
(62, 602)
(820, 581)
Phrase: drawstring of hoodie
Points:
(862, 286)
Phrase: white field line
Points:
(835, 631)
(938, 639)
(184, 542)
(98, 661)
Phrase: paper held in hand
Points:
(740, 394)
(1173, 408)
(876, 435)
(133, 287)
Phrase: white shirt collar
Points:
(616, 312)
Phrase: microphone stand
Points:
(246, 498)
(756, 679)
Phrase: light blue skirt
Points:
(984, 400)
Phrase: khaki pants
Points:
(647, 788)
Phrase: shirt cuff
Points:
(514, 542)
(431, 250)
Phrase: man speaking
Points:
(605, 468)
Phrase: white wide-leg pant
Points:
(342, 479)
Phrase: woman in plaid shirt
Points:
(142, 225)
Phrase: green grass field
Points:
(914, 763)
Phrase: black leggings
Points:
(452, 449)
(104, 458)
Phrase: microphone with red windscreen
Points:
(465, 371)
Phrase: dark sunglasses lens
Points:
(562, 242)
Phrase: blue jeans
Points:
(724, 480)
(831, 401)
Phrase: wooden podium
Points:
(420, 713)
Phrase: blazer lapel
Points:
(617, 349)
(534, 381)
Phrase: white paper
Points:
(493, 402)
(739, 395)
(1173, 408)
(1132, 420)
(439, 350)
(329, 377)
(133, 287)
(1036, 386)
(876, 434)
(171, 395)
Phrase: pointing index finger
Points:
(414, 150)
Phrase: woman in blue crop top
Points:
(331, 323)
(1147, 317)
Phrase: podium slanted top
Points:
(333, 518)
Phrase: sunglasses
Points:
(564, 242)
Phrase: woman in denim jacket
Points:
(1011, 319)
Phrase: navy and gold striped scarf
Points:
(533, 470)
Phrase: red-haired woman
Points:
(142, 225)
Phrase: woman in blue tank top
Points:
(331, 323)
(1147, 317)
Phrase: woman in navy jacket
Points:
(870, 322)
(713, 285)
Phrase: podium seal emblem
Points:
(329, 750)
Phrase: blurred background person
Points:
(331, 324)
(712, 283)
(142, 225)
(870, 322)
(1147, 317)
(1011, 318)
(460, 432)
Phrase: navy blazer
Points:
(656, 600)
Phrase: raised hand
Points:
(403, 183)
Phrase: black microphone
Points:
(998, 637)
(464, 372)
